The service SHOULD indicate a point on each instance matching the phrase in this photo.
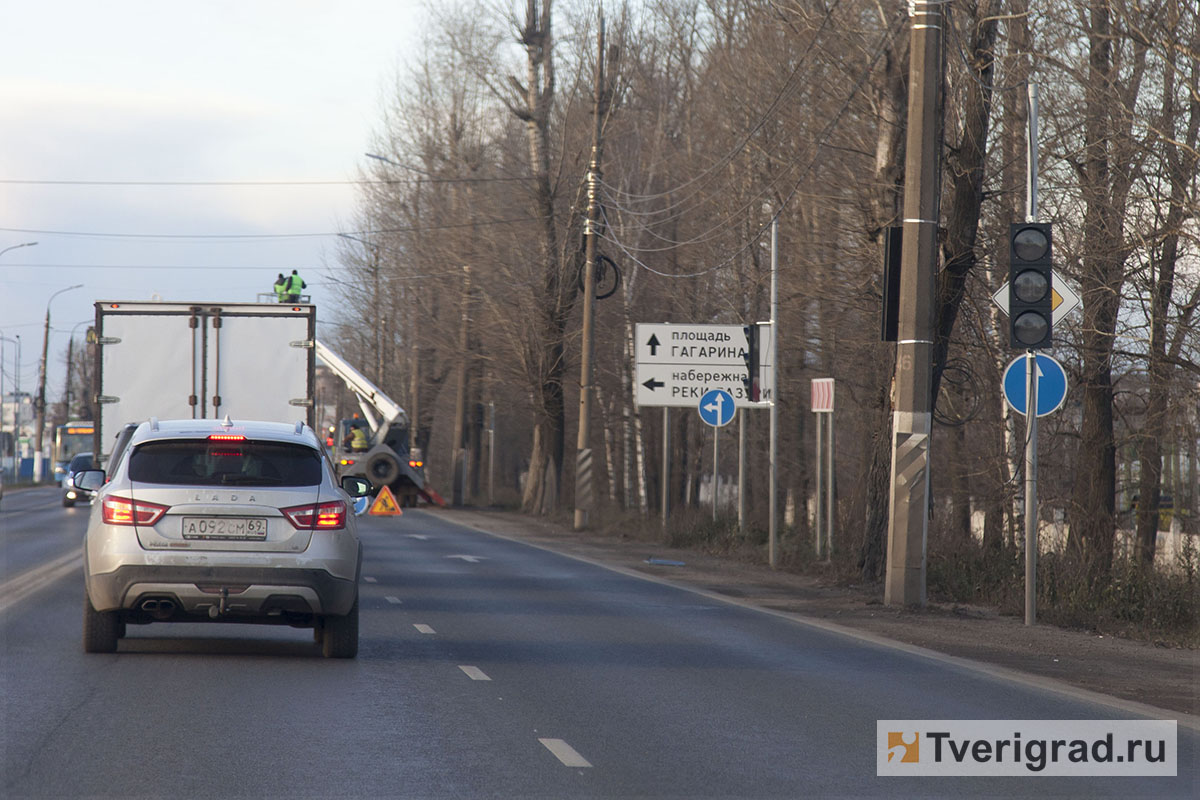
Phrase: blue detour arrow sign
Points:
(1051, 387)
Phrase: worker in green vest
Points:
(356, 439)
(280, 288)
(293, 287)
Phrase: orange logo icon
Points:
(909, 752)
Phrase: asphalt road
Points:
(487, 668)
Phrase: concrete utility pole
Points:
(904, 582)
(584, 478)
(459, 456)
(40, 406)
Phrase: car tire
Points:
(340, 638)
(101, 629)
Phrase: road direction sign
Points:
(1063, 301)
(1051, 387)
(677, 364)
(717, 408)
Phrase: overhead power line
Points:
(347, 182)
(258, 236)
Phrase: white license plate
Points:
(224, 527)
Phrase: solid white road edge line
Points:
(475, 673)
(565, 753)
(1145, 710)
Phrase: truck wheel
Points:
(383, 468)
(101, 629)
(340, 637)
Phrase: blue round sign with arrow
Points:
(1051, 385)
(716, 407)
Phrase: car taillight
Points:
(318, 516)
(416, 464)
(123, 511)
(347, 462)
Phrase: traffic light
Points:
(1030, 285)
(751, 356)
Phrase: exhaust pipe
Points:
(159, 607)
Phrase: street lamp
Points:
(41, 398)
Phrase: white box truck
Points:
(201, 360)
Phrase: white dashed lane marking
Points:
(369, 579)
(475, 673)
(423, 628)
(393, 600)
(568, 755)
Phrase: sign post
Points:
(822, 406)
(716, 409)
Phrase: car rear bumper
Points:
(236, 593)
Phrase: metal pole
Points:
(829, 486)
(772, 534)
(665, 488)
(584, 491)
(741, 507)
(912, 421)
(1031, 532)
(818, 512)
(491, 454)
(716, 479)
(1031, 209)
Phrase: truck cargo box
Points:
(201, 360)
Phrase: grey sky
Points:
(204, 91)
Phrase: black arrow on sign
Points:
(653, 384)
(653, 344)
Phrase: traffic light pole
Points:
(1031, 531)
(1031, 387)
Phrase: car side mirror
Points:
(356, 486)
(90, 479)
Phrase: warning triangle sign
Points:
(385, 504)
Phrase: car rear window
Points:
(80, 463)
(200, 462)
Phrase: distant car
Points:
(72, 494)
(225, 522)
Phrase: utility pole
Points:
(584, 477)
(40, 406)
(459, 456)
(912, 417)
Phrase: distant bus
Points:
(70, 440)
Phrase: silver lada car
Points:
(223, 521)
